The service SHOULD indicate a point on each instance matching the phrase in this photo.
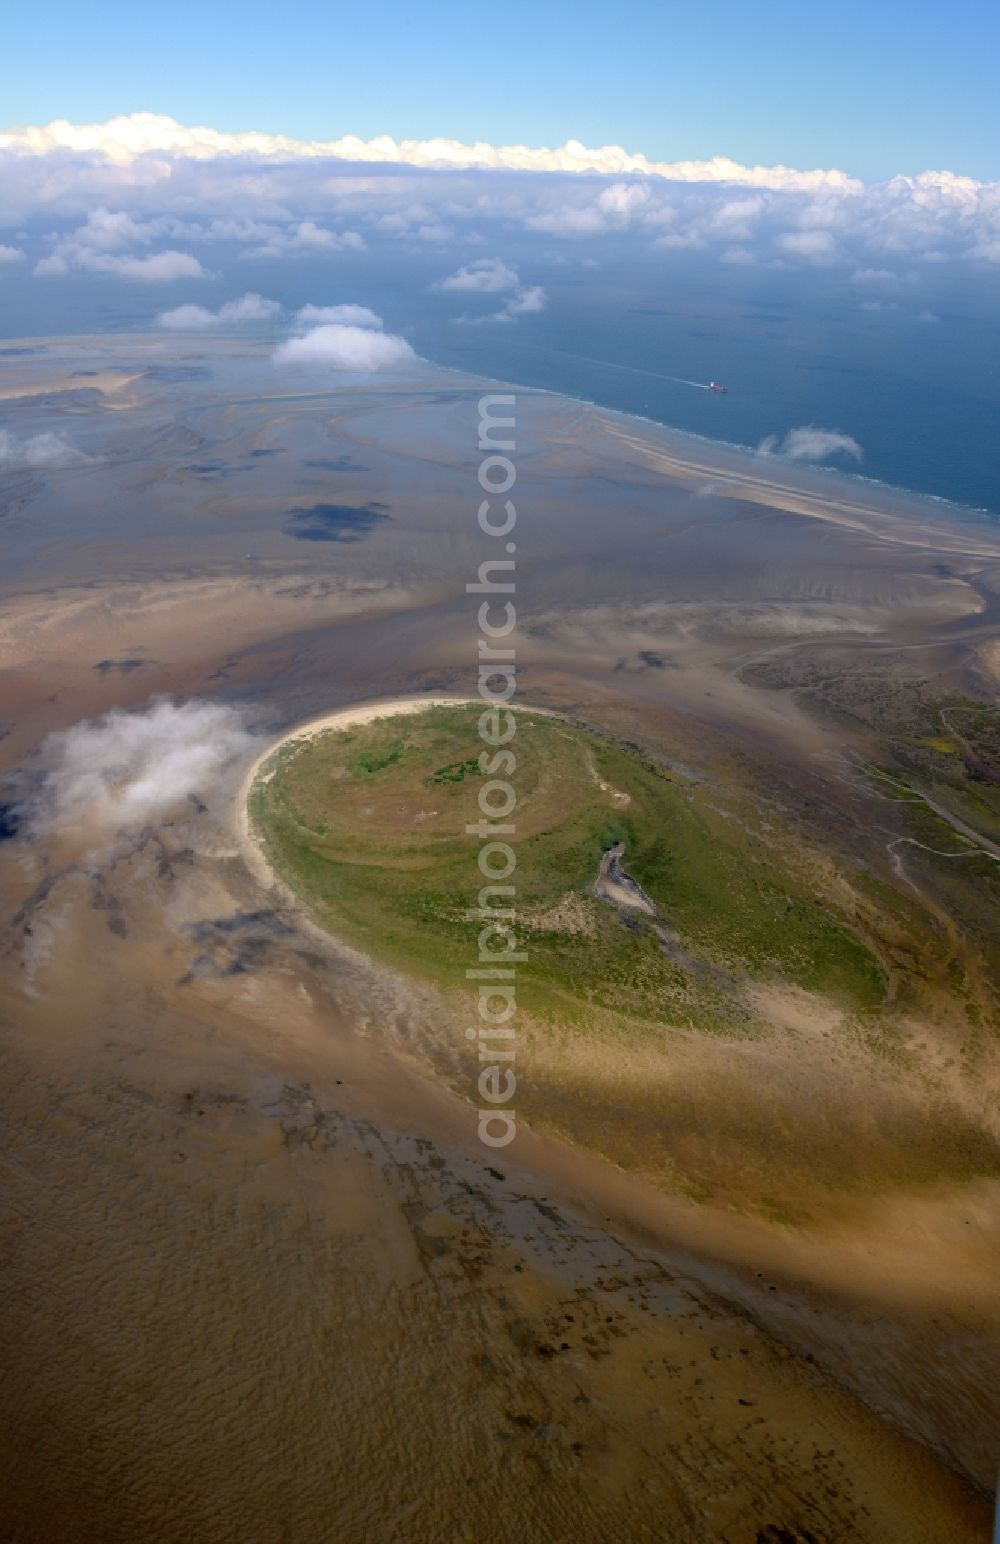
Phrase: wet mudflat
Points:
(262, 1282)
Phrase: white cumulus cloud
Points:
(808, 443)
(139, 184)
(158, 267)
(249, 308)
(815, 246)
(348, 315)
(624, 198)
(615, 208)
(105, 243)
(524, 301)
(11, 254)
(307, 237)
(492, 276)
(37, 452)
(486, 276)
(340, 347)
(120, 772)
(109, 230)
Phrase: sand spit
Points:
(731, 479)
(110, 383)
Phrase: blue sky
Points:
(874, 87)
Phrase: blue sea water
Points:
(907, 368)
(914, 382)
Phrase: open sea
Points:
(915, 382)
(908, 368)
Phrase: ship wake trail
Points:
(609, 364)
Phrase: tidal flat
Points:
(736, 1274)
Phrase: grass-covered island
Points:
(696, 1000)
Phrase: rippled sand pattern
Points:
(264, 1319)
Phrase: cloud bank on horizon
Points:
(131, 197)
(125, 138)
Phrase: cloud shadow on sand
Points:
(335, 522)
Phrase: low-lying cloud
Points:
(307, 237)
(339, 347)
(808, 443)
(812, 246)
(38, 452)
(118, 773)
(486, 276)
(613, 209)
(525, 301)
(105, 243)
(249, 308)
(346, 315)
(157, 268)
(492, 276)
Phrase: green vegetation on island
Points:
(736, 1034)
(368, 826)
